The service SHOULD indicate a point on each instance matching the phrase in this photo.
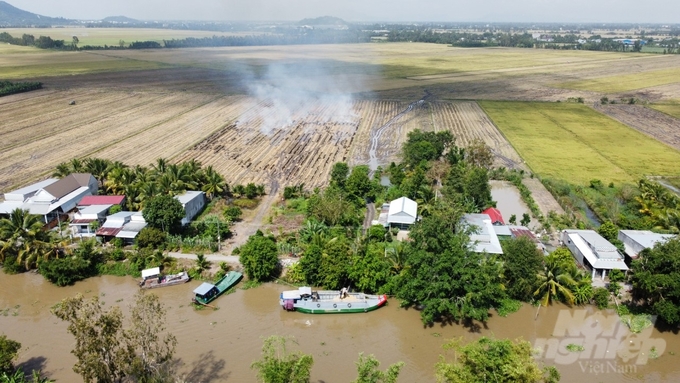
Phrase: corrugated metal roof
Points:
(27, 191)
(108, 231)
(66, 185)
(485, 238)
(81, 221)
(188, 196)
(495, 215)
(102, 200)
(402, 210)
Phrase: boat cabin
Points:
(206, 291)
(151, 273)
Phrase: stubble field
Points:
(136, 106)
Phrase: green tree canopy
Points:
(425, 146)
(491, 360)
(259, 257)
(278, 365)
(339, 174)
(164, 212)
(656, 280)
(522, 263)
(367, 367)
(8, 352)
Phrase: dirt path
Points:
(545, 201)
(370, 216)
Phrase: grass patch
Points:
(78, 67)
(626, 82)
(576, 143)
(671, 108)
(250, 284)
(508, 306)
(575, 347)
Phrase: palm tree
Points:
(62, 170)
(146, 190)
(396, 258)
(180, 179)
(239, 189)
(213, 183)
(99, 168)
(260, 190)
(23, 235)
(117, 178)
(556, 281)
(202, 263)
(160, 166)
(77, 165)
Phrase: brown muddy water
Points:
(219, 346)
(509, 202)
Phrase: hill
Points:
(13, 16)
(119, 19)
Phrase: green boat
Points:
(207, 292)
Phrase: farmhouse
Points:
(130, 229)
(81, 224)
(634, 241)
(52, 199)
(114, 224)
(593, 251)
(192, 202)
(15, 199)
(484, 238)
(402, 213)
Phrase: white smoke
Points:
(290, 93)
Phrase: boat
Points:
(329, 302)
(152, 278)
(207, 292)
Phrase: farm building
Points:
(495, 215)
(52, 200)
(402, 213)
(506, 232)
(634, 241)
(130, 230)
(593, 252)
(102, 200)
(114, 224)
(484, 238)
(192, 202)
(81, 224)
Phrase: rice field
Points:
(626, 82)
(671, 108)
(576, 143)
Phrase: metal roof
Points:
(598, 251)
(8, 206)
(188, 196)
(402, 210)
(203, 288)
(151, 272)
(68, 184)
(484, 239)
(81, 221)
(108, 231)
(494, 214)
(92, 209)
(27, 191)
(102, 200)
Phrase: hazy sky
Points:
(654, 11)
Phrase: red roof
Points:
(101, 200)
(523, 232)
(82, 221)
(495, 215)
(108, 231)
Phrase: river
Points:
(219, 345)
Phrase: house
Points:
(15, 199)
(634, 241)
(593, 252)
(192, 202)
(52, 200)
(484, 238)
(402, 213)
(114, 224)
(130, 229)
(81, 224)
(102, 200)
(495, 215)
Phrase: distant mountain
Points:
(323, 20)
(119, 19)
(13, 16)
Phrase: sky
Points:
(585, 11)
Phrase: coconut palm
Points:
(181, 179)
(260, 190)
(22, 234)
(239, 189)
(62, 170)
(99, 168)
(146, 190)
(160, 166)
(556, 282)
(397, 258)
(213, 183)
(202, 263)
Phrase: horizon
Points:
(352, 11)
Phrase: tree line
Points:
(7, 87)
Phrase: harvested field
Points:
(575, 143)
(626, 82)
(648, 121)
(672, 108)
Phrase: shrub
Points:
(233, 213)
(151, 237)
(246, 203)
(601, 298)
(66, 271)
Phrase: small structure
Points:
(495, 215)
(593, 251)
(102, 200)
(52, 199)
(634, 241)
(382, 216)
(114, 224)
(192, 202)
(484, 238)
(402, 213)
(129, 231)
(81, 224)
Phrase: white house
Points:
(130, 229)
(15, 199)
(403, 213)
(83, 218)
(114, 224)
(52, 199)
(192, 202)
(593, 251)
(484, 238)
(634, 241)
